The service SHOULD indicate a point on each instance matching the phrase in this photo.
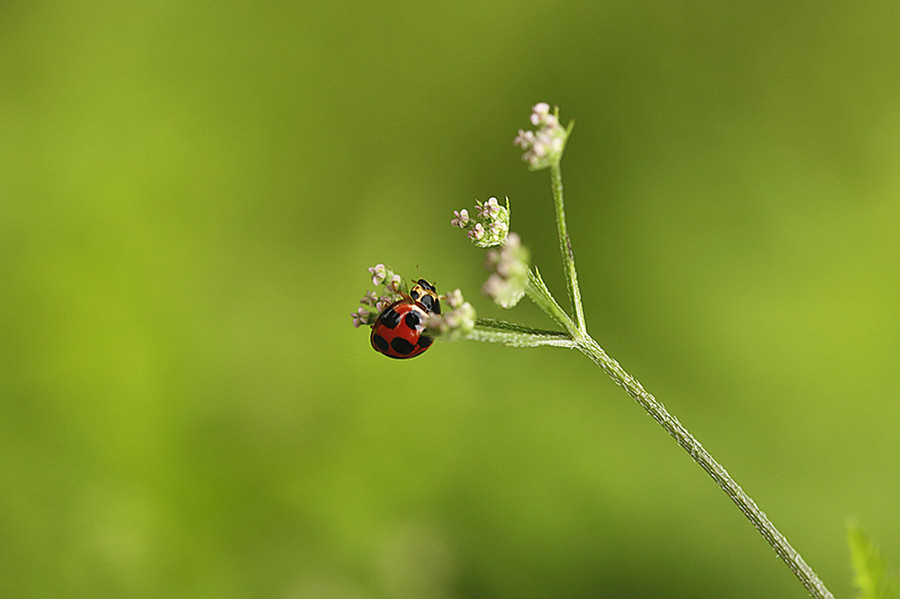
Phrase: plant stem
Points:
(565, 246)
(517, 335)
(698, 453)
(576, 336)
(539, 293)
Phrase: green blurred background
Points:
(190, 195)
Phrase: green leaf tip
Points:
(870, 573)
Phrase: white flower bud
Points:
(509, 266)
(545, 146)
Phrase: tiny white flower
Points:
(546, 121)
(509, 272)
(493, 285)
(371, 303)
(489, 226)
(539, 113)
(556, 145)
(361, 316)
(524, 139)
(491, 259)
(454, 299)
(455, 322)
(462, 218)
(489, 209)
(379, 273)
(369, 299)
(383, 302)
(544, 146)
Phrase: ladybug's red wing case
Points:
(397, 332)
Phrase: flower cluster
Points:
(544, 146)
(455, 322)
(509, 272)
(489, 227)
(373, 303)
(457, 319)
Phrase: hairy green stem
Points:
(537, 291)
(565, 246)
(575, 336)
(517, 335)
(698, 453)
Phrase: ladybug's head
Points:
(424, 294)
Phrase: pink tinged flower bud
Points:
(462, 218)
(544, 146)
(454, 299)
(361, 316)
(539, 114)
(524, 139)
(493, 285)
(509, 276)
(383, 302)
(489, 209)
(369, 299)
(455, 322)
(379, 273)
(541, 108)
(521, 139)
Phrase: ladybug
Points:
(397, 332)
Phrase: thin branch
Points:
(565, 246)
(517, 335)
(702, 457)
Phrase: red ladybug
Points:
(397, 332)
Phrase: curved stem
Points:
(537, 291)
(698, 453)
(576, 336)
(517, 335)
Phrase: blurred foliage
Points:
(190, 195)
(871, 577)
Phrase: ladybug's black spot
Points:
(414, 294)
(390, 318)
(380, 343)
(425, 284)
(412, 319)
(424, 341)
(402, 346)
(437, 307)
